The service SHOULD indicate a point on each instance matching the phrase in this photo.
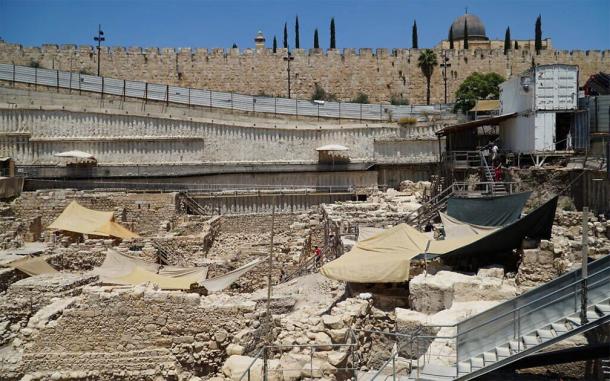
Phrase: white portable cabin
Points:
(545, 99)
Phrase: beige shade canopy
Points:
(75, 155)
(332, 147)
(78, 219)
(386, 257)
(33, 266)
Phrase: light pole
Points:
(445, 65)
(288, 58)
(99, 38)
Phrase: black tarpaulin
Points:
(536, 225)
(488, 211)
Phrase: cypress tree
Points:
(297, 45)
(333, 41)
(465, 34)
(274, 44)
(285, 35)
(538, 38)
(507, 41)
(451, 37)
(316, 42)
(414, 36)
(516, 44)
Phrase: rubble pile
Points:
(564, 251)
(381, 210)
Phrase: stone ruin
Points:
(69, 325)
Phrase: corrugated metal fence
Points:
(208, 98)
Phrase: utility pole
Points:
(445, 65)
(584, 269)
(270, 270)
(99, 38)
(288, 58)
(269, 286)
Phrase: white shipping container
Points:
(517, 134)
(544, 135)
(547, 87)
(556, 87)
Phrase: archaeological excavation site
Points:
(178, 215)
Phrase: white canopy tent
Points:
(75, 155)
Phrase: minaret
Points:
(259, 41)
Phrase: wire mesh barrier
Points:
(207, 98)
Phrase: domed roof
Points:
(476, 29)
(260, 37)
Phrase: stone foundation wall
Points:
(256, 224)
(143, 213)
(175, 330)
(33, 136)
(378, 73)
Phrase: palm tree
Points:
(426, 62)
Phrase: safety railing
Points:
(485, 188)
(463, 159)
(197, 188)
(521, 316)
(208, 98)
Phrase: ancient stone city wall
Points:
(378, 73)
(33, 136)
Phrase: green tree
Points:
(274, 44)
(316, 42)
(414, 43)
(538, 38)
(465, 34)
(516, 44)
(451, 37)
(477, 86)
(321, 95)
(426, 62)
(333, 41)
(285, 35)
(297, 44)
(361, 98)
(507, 41)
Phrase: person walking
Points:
(318, 254)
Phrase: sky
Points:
(571, 24)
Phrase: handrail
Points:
(570, 285)
(256, 357)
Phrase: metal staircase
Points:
(189, 204)
(521, 326)
(163, 253)
(305, 267)
(497, 187)
(428, 211)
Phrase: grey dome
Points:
(476, 29)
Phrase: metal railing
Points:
(208, 98)
(523, 315)
(428, 210)
(196, 188)
(485, 188)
